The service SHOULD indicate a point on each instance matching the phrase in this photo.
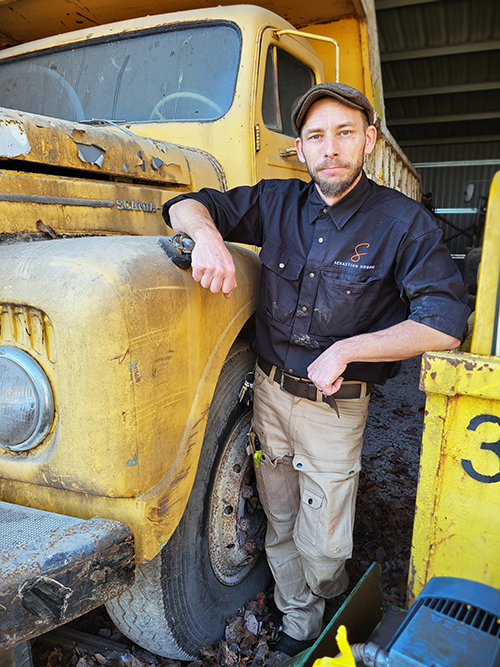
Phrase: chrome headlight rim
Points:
(44, 395)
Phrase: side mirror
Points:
(469, 192)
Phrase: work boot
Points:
(292, 646)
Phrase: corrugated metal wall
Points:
(448, 183)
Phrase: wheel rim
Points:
(237, 521)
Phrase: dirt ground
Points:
(383, 529)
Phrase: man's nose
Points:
(331, 146)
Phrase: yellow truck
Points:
(123, 472)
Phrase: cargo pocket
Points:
(326, 518)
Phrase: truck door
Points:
(286, 70)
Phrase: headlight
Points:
(26, 400)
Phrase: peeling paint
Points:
(132, 462)
(92, 153)
(13, 138)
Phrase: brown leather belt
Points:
(305, 389)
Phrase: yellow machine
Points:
(457, 527)
(119, 375)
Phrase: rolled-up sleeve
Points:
(235, 213)
(432, 285)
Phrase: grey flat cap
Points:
(338, 91)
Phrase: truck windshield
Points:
(185, 74)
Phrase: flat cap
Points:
(338, 91)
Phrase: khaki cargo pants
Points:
(307, 481)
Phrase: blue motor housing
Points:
(452, 623)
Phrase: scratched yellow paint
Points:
(137, 349)
(457, 520)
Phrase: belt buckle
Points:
(282, 380)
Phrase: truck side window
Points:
(286, 79)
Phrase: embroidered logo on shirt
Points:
(357, 256)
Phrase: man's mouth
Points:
(332, 167)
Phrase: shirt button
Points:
(348, 291)
(299, 465)
(282, 266)
(304, 308)
(320, 240)
(325, 210)
(311, 275)
(290, 370)
(310, 501)
(296, 342)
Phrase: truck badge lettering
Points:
(126, 205)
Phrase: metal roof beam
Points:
(443, 90)
(393, 4)
(455, 163)
(444, 141)
(453, 118)
(434, 51)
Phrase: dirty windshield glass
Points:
(184, 74)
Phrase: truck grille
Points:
(28, 328)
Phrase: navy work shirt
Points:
(371, 260)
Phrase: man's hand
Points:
(401, 341)
(211, 261)
(326, 372)
(213, 266)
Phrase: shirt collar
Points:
(341, 212)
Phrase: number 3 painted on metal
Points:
(492, 446)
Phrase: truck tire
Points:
(214, 561)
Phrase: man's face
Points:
(333, 142)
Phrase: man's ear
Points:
(371, 139)
(298, 146)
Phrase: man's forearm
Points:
(193, 218)
(212, 264)
(401, 341)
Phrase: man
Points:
(354, 277)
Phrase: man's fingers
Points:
(229, 285)
(332, 389)
(216, 278)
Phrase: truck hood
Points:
(110, 150)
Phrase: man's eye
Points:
(345, 133)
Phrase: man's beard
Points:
(334, 189)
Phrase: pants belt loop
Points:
(272, 373)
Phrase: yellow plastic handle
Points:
(346, 658)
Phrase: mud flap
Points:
(54, 568)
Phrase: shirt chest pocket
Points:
(343, 306)
(280, 281)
